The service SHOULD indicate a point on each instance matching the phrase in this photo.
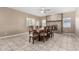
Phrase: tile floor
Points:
(60, 42)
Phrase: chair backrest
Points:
(42, 32)
(35, 33)
(30, 29)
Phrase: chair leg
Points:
(51, 35)
(29, 39)
(46, 38)
(33, 41)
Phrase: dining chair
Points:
(43, 35)
(35, 36)
(30, 33)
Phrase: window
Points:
(33, 22)
(30, 21)
(37, 23)
(67, 22)
(43, 22)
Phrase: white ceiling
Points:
(37, 10)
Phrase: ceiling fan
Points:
(44, 10)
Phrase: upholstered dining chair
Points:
(30, 33)
(43, 35)
(35, 36)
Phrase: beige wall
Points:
(77, 22)
(12, 21)
(72, 16)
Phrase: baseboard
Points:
(14, 35)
